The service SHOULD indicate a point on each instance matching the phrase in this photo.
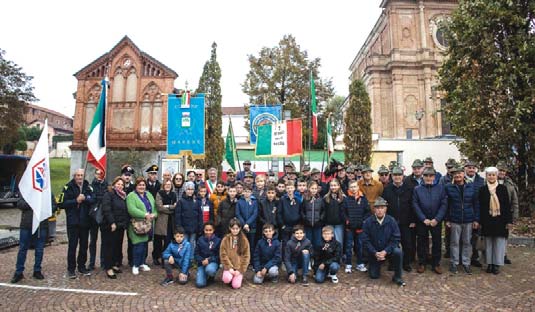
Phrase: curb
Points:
(525, 241)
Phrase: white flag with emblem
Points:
(34, 186)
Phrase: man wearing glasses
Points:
(246, 168)
(430, 204)
(370, 187)
(231, 177)
(384, 175)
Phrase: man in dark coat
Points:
(77, 198)
(381, 238)
(399, 197)
(430, 204)
(100, 187)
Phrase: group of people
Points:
(299, 221)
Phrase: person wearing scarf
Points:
(140, 204)
(166, 200)
(114, 224)
(496, 219)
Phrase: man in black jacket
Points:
(100, 186)
(77, 198)
(153, 185)
(26, 238)
(399, 197)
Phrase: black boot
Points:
(496, 269)
(489, 268)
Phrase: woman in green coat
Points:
(140, 204)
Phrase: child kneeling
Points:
(234, 255)
(207, 255)
(297, 255)
(267, 256)
(327, 256)
(177, 255)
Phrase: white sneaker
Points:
(135, 270)
(144, 268)
(334, 279)
(348, 268)
(362, 267)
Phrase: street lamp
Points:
(419, 115)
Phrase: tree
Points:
(280, 75)
(15, 91)
(209, 84)
(358, 125)
(488, 80)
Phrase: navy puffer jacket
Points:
(188, 215)
(462, 207)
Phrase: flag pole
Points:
(236, 147)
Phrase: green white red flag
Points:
(280, 139)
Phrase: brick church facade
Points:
(399, 64)
(136, 115)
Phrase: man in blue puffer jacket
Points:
(462, 217)
(430, 204)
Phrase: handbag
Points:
(480, 244)
(96, 213)
(141, 227)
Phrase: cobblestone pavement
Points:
(512, 290)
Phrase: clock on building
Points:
(438, 31)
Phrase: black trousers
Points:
(93, 238)
(107, 246)
(423, 243)
(117, 247)
(406, 243)
(395, 260)
(77, 235)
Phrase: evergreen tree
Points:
(15, 91)
(488, 79)
(209, 84)
(280, 75)
(358, 125)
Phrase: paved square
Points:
(512, 290)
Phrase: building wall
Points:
(398, 64)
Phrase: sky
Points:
(51, 40)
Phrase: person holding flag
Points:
(37, 205)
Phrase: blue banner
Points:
(261, 115)
(185, 125)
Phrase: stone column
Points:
(430, 110)
(422, 25)
(398, 119)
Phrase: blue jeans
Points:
(313, 233)
(139, 253)
(203, 272)
(333, 269)
(192, 239)
(353, 243)
(339, 233)
(26, 238)
(303, 261)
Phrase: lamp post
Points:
(419, 115)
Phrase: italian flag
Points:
(280, 139)
(313, 109)
(96, 139)
(330, 145)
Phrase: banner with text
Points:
(261, 115)
(185, 125)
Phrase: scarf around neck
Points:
(120, 193)
(494, 202)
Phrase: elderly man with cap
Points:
(446, 179)
(370, 187)
(380, 237)
(305, 171)
(399, 195)
(461, 218)
(416, 177)
(153, 185)
(384, 175)
(248, 180)
(231, 177)
(512, 190)
(430, 205)
(246, 168)
(126, 174)
(471, 176)
(428, 163)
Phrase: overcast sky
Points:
(51, 40)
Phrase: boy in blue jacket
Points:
(297, 255)
(267, 256)
(177, 255)
(207, 255)
(288, 212)
(247, 212)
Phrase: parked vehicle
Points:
(11, 170)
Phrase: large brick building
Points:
(398, 64)
(136, 116)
